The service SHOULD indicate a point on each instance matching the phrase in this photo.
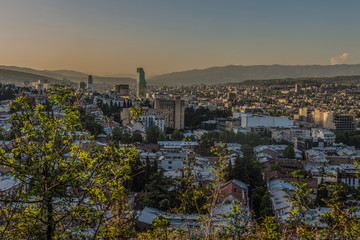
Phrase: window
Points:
(169, 167)
(170, 162)
(234, 189)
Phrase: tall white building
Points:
(147, 121)
(152, 120)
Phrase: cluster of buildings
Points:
(305, 116)
(327, 119)
(41, 85)
(172, 157)
(166, 113)
(322, 165)
(233, 190)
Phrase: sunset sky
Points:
(113, 37)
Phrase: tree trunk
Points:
(50, 228)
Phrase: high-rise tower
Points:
(90, 84)
(140, 83)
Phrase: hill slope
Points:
(10, 76)
(233, 74)
(18, 75)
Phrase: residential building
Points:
(334, 121)
(171, 111)
(234, 190)
(174, 158)
(122, 89)
(148, 121)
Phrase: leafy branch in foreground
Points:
(65, 185)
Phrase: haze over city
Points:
(114, 37)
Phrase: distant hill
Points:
(10, 76)
(209, 76)
(20, 74)
(233, 74)
(317, 81)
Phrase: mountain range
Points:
(209, 76)
(18, 75)
(236, 74)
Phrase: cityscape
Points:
(250, 150)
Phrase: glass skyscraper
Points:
(140, 83)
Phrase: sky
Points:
(114, 37)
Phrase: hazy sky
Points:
(116, 36)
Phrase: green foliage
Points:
(63, 191)
(6, 93)
(136, 137)
(204, 148)
(351, 138)
(177, 135)
(289, 152)
(270, 229)
(247, 150)
(140, 174)
(160, 229)
(117, 134)
(266, 205)
(194, 117)
(158, 188)
(227, 137)
(89, 124)
(248, 170)
(342, 221)
(154, 134)
(110, 110)
(298, 222)
(126, 138)
(238, 223)
(275, 167)
(212, 135)
(191, 196)
(321, 195)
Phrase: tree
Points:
(204, 148)
(117, 134)
(275, 167)
(227, 136)
(65, 185)
(289, 152)
(158, 190)
(154, 134)
(209, 136)
(300, 198)
(177, 135)
(89, 123)
(238, 223)
(136, 137)
(266, 205)
(247, 150)
(126, 138)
